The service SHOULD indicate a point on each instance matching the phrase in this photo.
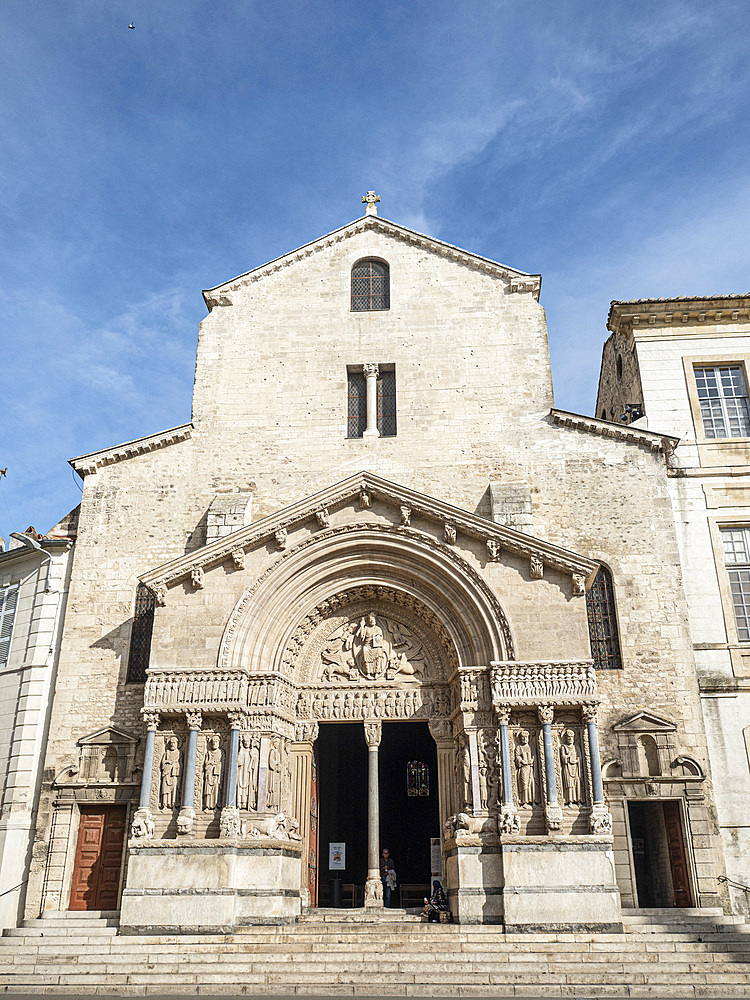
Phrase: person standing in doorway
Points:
(387, 875)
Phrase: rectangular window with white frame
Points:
(723, 399)
(8, 600)
(736, 545)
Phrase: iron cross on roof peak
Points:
(370, 199)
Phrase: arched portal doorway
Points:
(373, 627)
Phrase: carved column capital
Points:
(440, 728)
(306, 732)
(237, 720)
(502, 711)
(151, 719)
(590, 713)
(546, 714)
(194, 720)
(373, 733)
(370, 370)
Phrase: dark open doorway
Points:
(659, 856)
(408, 821)
(407, 760)
(342, 798)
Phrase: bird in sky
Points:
(132, 25)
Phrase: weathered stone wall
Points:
(473, 394)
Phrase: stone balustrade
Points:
(177, 689)
(560, 682)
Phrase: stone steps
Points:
(660, 954)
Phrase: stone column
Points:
(261, 802)
(230, 814)
(186, 817)
(552, 810)
(509, 822)
(474, 758)
(441, 733)
(305, 734)
(373, 885)
(600, 819)
(371, 377)
(143, 819)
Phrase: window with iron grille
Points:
(371, 286)
(8, 600)
(736, 545)
(140, 636)
(602, 616)
(357, 404)
(722, 394)
(385, 389)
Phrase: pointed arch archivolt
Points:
(412, 569)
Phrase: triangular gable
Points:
(496, 536)
(106, 736)
(520, 281)
(644, 722)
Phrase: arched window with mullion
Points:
(371, 285)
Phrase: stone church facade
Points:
(376, 518)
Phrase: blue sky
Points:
(603, 145)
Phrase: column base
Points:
(185, 821)
(371, 434)
(229, 824)
(600, 820)
(373, 890)
(142, 827)
(509, 822)
(553, 816)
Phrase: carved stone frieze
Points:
(176, 689)
(370, 702)
(306, 731)
(568, 682)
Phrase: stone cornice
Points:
(84, 465)
(625, 316)
(618, 432)
(519, 281)
(453, 520)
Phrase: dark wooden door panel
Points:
(98, 860)
(677, 855)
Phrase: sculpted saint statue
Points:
(274, 773)
(169, 768)
(247, 773)
(570, 768)
(212, 773)
(524, 760)
(374, 654)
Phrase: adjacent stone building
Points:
(34, 580)
(679, 367)
(378, 591)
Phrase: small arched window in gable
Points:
(602, 616)
(371, 285)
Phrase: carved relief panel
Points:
(527, 769)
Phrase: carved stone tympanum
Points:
(372, 648)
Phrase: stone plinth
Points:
(534, 883)
(474, 873)
(194, 886)
(560, 883)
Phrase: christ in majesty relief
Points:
(374, 653)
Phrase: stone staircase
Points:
(662, 953)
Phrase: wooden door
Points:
(677, 856)
(312, 856)
(98, 860)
